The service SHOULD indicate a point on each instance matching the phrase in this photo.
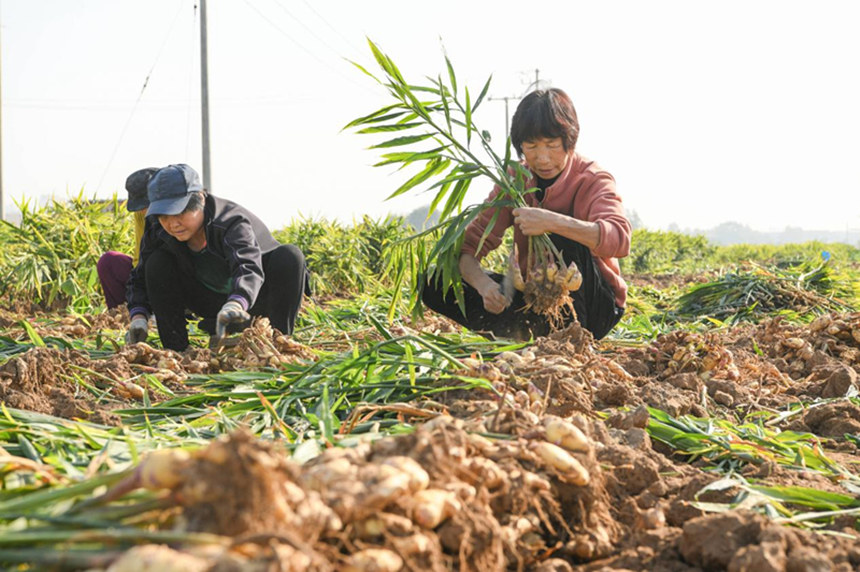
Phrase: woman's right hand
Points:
(137, 330)
(494, 300)
(491, 291)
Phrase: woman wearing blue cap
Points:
(213, 257)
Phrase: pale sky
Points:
(705, 112)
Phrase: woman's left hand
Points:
(533, 221)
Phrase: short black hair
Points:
(545, 113)
(196, 200)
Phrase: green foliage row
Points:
(659, 252)
(666, 253)
(50, 257)
(346, 259)
(787, 254)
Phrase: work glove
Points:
(231, 313)
(138, 330)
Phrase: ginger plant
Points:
(433, 126)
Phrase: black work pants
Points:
(594, 302)
(172, 291)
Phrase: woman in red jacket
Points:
(575, 203)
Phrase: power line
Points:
(121, 105)
(289, 37)
(139, 96)
(332, 28)
(302, 47)
(310, 31)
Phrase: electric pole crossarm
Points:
(508, 98)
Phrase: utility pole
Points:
(2, 207)
(204, 98)
(508, 98)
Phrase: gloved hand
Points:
(138, 330)
(231, 313)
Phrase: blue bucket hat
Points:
(170, 189)
(136, 184)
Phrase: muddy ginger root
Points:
(387, 489)
(509, 357)
(486, 472)
(569, 468)
(157, 557)
(519, 283)
(565, 434)
(320, 476)
(373, 560)
(432, 507)
(415, 544)
(546, 293)
(573, 277)
(162, 469)
(418, 477)
(381, 524)
(515, 274)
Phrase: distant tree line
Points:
(721, 235)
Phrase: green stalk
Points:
(87, 559)
(46, 497)
(443, 260)
(115, 535)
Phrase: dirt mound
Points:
(44, 380)
(742, 369)
(8, 318)
(442, 496)
(73, 326)
(446, 497)
(743, 540)
(49, 380)
(833, 420)
(482, 490)
(260, 345)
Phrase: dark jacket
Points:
(232, 232)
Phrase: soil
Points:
(504, 506)
(48, 380)
(666, 281)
